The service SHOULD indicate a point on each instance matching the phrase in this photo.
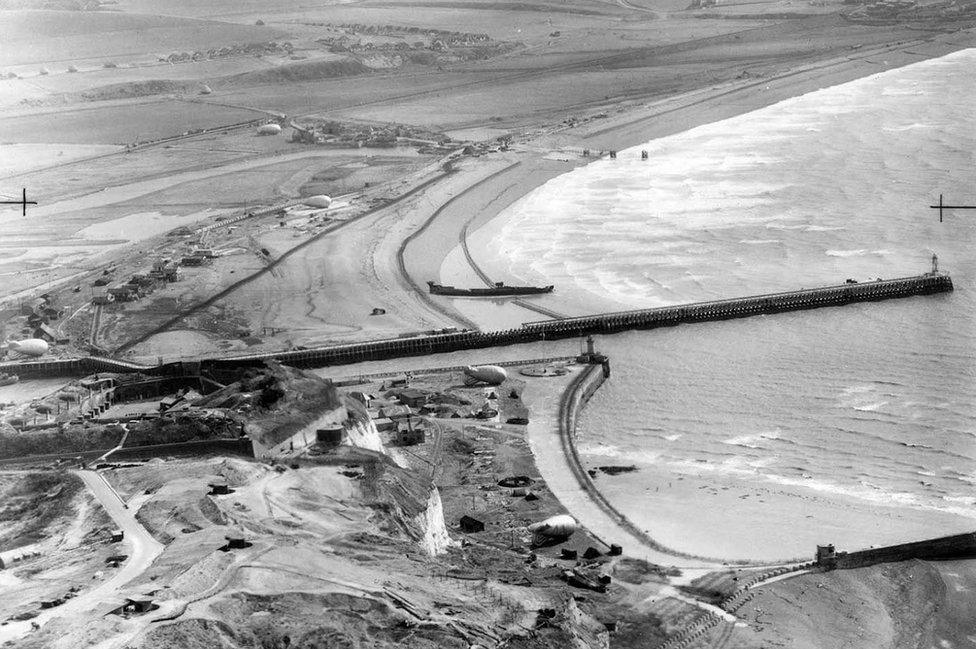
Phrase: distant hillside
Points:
(295, 72)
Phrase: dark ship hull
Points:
(499, 289)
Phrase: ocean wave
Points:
(907, 127)
(871, 407)
(846, 253)
(611, 451)
(874, 494)
(752, 441)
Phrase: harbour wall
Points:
(958, 546)
(574, 399)
(605, 323)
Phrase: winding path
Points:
(142, 548)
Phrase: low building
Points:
(384, 425)
(194, 260)
(330, 435)
(124, 293)
(362, 397)
(413, 397)
(101, 299)
(219, 488)
(138, 605)
(395, 412)
(409, 434)
(471, 525)
(45, 332)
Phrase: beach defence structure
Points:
(604, 323)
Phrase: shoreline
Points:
(494, 195)
(487, 198)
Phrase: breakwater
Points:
(555, 329)
(744, 307)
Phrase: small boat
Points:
(8, 379)
(498, 289)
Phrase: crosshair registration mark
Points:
(942, 206)
(23, 202)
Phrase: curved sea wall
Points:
(573, 400)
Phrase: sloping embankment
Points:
(295, 72)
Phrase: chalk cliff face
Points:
(435, 538)
(417, 501)
(362, 434)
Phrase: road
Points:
(141, 548)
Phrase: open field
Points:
(53, 38)
(120, 124)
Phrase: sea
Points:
(758, 437)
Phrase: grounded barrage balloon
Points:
(269, 129)
(29, 347)
(320, 200)
(490, 374)
(555, 527)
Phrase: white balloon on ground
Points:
(319, 200)
(555, 527)
(29, 347)
(490, 374)
(269, 129)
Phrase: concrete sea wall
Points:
(958, 546)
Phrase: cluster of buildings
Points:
(351, 135)
(41, 312)
(229, 50)
(449, 38)
(164, 270)
(412, 43)
(397, 412)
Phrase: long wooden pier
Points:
(604, 323)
